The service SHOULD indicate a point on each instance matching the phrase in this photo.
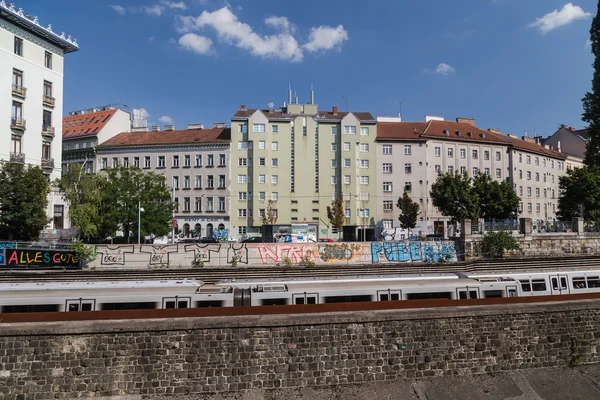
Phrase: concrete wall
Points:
(222, 254)
(216, 354)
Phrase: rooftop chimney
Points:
(558, 146)
(335, 110)
(469, 121)
(528, 139)
(155, 128)
(169, 128)
(220, 125)
(433, 118)
(243, 107)
(195, 126)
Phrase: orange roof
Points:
(75, 126)
(188, 136)
(535, 148)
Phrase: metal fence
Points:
(480, 227)
(553, 226)
(34, 245)
(591, 226)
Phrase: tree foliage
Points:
(336, 213)
(270, 215)
(580, 186)
(409, 211)
(591, 101)
(452, 195)
(23, 201)
(495, 244)
(497, 200)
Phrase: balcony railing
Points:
(48, 131)
(48, 101)
(47, 162)
(19, 91)
(17, 123)
(17, 157)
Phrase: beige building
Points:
(301, 158)
(195, 163)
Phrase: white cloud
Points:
(155, 10)
(165, 119)
(444, 69)
(280, 23)
(180, 5)
(118, 9)
(196, 43)
(325, 38)
(555, 19)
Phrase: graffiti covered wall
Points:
(259, 254)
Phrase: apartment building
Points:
(571, 142)
(83, 130)
(31, 75)
(195, 163)
(300, 158)
(410, 156)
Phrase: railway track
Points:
(215, 274)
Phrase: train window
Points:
(554, 284)
(388, 295)
(512, 292)
(209, 303)
(579, 282)
(176, 302)
(80, 305)
(593, 282)
(305, 298)
(538, 285)
(563, 283)
(26, 308)
(348, 299)
(525, 285)
(142, 305)
(274, 302)
(429, 296)
(462, 294)
(492, 294)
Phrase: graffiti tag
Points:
(221, 234)
(279, 252)
(114, 256)
(339, 252)
(159, 254)
(405, 251)
(41, 258)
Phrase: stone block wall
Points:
(217, 354)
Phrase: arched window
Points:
(186, 230)
(209, 230)
(197, 230)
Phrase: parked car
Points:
(209, 240)
(189, 240)
(327, 240)
(254, 239)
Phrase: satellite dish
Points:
(270, 105)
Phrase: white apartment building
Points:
(31, 95)
(410, 156)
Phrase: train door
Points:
(305, 298)
(242, 297)
(511, 291)
(389, 295)
(467, 293)
(176, 302)
(80, 305)
(559, 284)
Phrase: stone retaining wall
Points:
(216, 354)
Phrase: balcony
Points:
(17, 158)
(47, 163)
(48, 131)
(19, 91)
(48, 101)
(17, 124)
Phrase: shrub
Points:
(307, 262)
(494, 244)
(84, 252)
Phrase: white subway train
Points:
(190, 293)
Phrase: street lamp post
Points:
(140, 209)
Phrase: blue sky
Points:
(514, 65)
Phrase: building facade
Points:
(195, 164)
(31, 78)
(570, 141)
(83, 130)
(296, 160)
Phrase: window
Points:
(274, 162)
(46, 150)
(126, 162)
(334, 180)
(537, 176)
(475, 154)
(450, 169)
(262, 162)
(221, 160)
(242, 196)
(364, 131)
(242, 128)
(176, 182)
(475, 171)
(463, 170)
(262, 178)
(346, 179)
(349, 130)
(363, 212)
(537, 162)
(364, 148)
(529, 191)
(388, 205)
(210, 160)
(274, 196)
(520, 158)
(486, 171)
(186, 204)
(242, 212)
(161, 161)
(528, 159)
(115, 162)
(346, 146)
(18, 46)
(46, 120)
(450, 153)
(275, 128)
(387, 168)
(387, 186)
(17, 112)
(221, 181)
(364, 163)
(386, 149)
(17, 79)
(407, 187)
(438, 151)
(528, 175)
(486, 155)
(520, 190)
(407, 150)
(48, 60)
(136, 162)
(274, 179)
(198, 160)
(537, 192)
(187, 162)
(258, 127)
(242, 178)
(262, 145)
(274, 146)
(242, 162)
(347, 213)
(334, 130)
(498, 173)
(520, 174)
(104, 162)
(463, 153)
(262, 196)
(537, 207)
(333, 163)
(438, 169)
(364, 180)
(242, 230)
(58, 218)
(146, 161)
(498, 156)
(209, 204)
(198, 182)
(221, 203)
(243, 145)
(333, 147)
(175, 161)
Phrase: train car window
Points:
(593, 282)
(462, 294)
(176, 302)
(305, 298)
(142, 305)
(348, 299)
(429, 296)
(80, 305)
(525, 285)
(492, 294)
(26, 308)
(388, 295)
(579, 282)
(554, 284)
(274, 302)
(538, 285)
(209, 303)
(512, 292)
(563, 283)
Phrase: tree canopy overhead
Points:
(591, 100)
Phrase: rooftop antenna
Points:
(289, 92)
(312, 94)
(399, 108)
(526, 134)
(296, 97)
(345, 101)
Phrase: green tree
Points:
(591, 101)
(409, 211)
(579, 186)
(23, 201)
(270, 215)
(453, 196)
(494, 244)
(336, 213)
(497, 200)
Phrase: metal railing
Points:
(18, 90)
(47, 162)
(591, 226)
(48, 130)
(17, 157)
(553, 227)
(17, 123)
(48, 101)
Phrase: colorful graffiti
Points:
(407, 251)
(339, 252)
(41, 258)
(221, 234)
(276, 253)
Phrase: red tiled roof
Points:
(188, 136)
(401, 130)
(277, 114)
(535, 148)
(86, 124)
